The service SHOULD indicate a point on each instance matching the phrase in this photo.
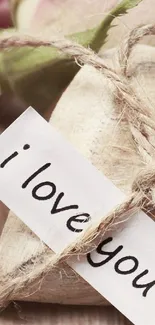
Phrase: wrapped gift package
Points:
(91, 118)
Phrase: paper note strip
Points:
(55, 191)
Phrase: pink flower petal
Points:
(5, 16)
(63, 16)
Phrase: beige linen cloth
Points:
(89, 117)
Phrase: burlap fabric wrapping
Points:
(94, 114)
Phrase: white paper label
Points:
(50, 186)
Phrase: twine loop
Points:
(144, 182)
(141, 126)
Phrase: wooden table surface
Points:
(46, 314)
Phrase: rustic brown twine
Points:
(141, 126)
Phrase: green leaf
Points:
(101, 33)
(39, 75)
(36, 78)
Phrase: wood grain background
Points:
(46, 314)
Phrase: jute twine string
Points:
(142, 127)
